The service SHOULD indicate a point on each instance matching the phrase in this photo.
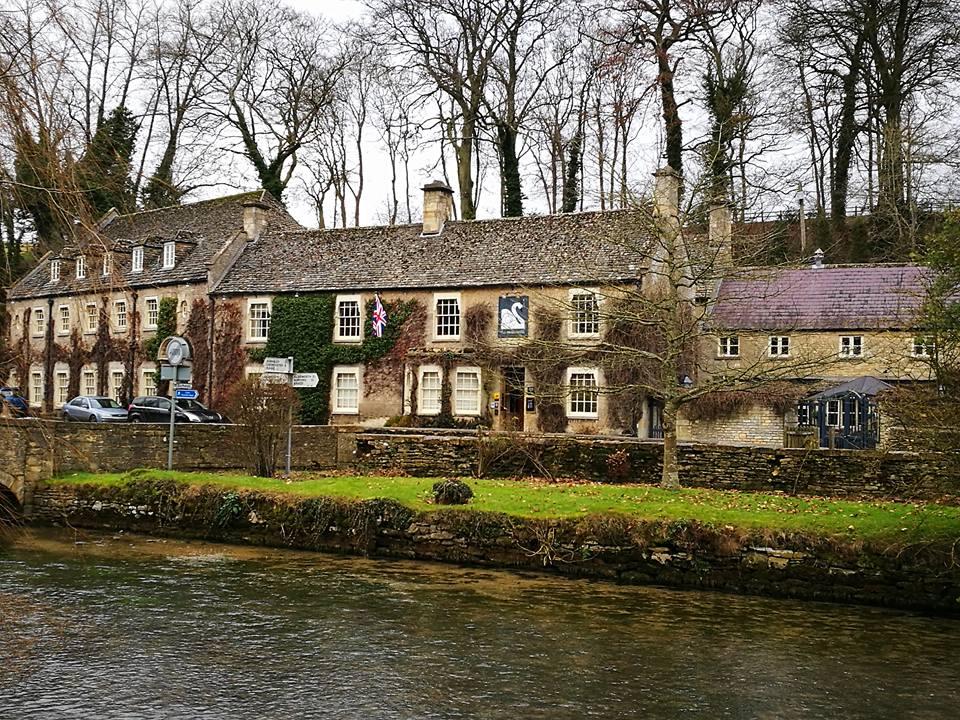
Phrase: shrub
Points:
(265, 413)
(451, 492)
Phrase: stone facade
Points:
(755, 427)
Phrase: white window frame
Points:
(572, 324)
(846, 349)
(62, 386)
(437, 298)
(54, 271)
(38, 322)
(250, 304)
(922, 346)
(337, 408)
(116, 388)
(81, 263)
(107, 264)
(473, 411)
(580, 414)
(337, 336)
(778, 346)
(117, 325)
(169, 255)
(728, 346)
(61, 316)
(147, 325)
(421, 371)
(36, 388)
(89, 388)
(136, 259)
(87, 329)
(149, 382)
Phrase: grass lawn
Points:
(903, 522)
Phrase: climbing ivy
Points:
(166, 326)
(302, 327)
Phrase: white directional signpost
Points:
(283, 367)
(305, 380)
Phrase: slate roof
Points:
(865, 385)
(833, 297)
(587, 247)
(200, 229)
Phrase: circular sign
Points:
(178, 350)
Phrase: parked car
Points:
(94, 408)
(15, 403)
(152, 408)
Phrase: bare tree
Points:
(274, 80)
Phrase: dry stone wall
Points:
(841, 473)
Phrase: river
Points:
(133, 627)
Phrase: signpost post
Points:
(175, 367)
(283, 366)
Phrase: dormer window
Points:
(136, 259)
(107, 263)
(81, 267)
(169, 255)
(55, 271)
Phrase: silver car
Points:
(91, 408)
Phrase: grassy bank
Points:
(868, 521)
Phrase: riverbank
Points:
(891, 554)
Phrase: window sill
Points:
(583, 416)
(467, 414)
(728, 357)
(338, 411)
(348, 341)
(577, 336)
(447, 338)
(427, 413)
(256, 341)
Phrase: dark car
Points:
(94, 408)
(15, 403)
(152, 408)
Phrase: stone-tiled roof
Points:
(200, 229)
(584, 247)
(854, 297)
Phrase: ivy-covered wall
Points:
(302, 327)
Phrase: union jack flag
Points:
(379, 317)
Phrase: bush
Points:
(265, 413)
(451, 492)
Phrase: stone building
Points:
(80, 320)
(490, 294)
(822, 328)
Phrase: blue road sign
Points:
(186, 394)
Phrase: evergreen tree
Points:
(103, 173)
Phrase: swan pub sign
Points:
(513, 316)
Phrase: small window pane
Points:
(348, 319)
(430, 392)
(583, 393)
(89, 383)
(448, 318)
(120, 307)
(153, 312)
(136, 263)
(63, 388)
(347, 392)
(467, 396)
(585, 319)
(259, 321)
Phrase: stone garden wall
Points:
(842, 473)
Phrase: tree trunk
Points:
(510, 171)
(673, 130)
(846, 140)
(464, 151)
(571, 179)
(670, 477)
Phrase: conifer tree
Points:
(103, 173)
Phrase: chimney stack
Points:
(254, 218)
(720, 236)
(666, 195)
(437, 206)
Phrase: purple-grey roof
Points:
(838, 297)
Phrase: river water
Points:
(129, 627)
